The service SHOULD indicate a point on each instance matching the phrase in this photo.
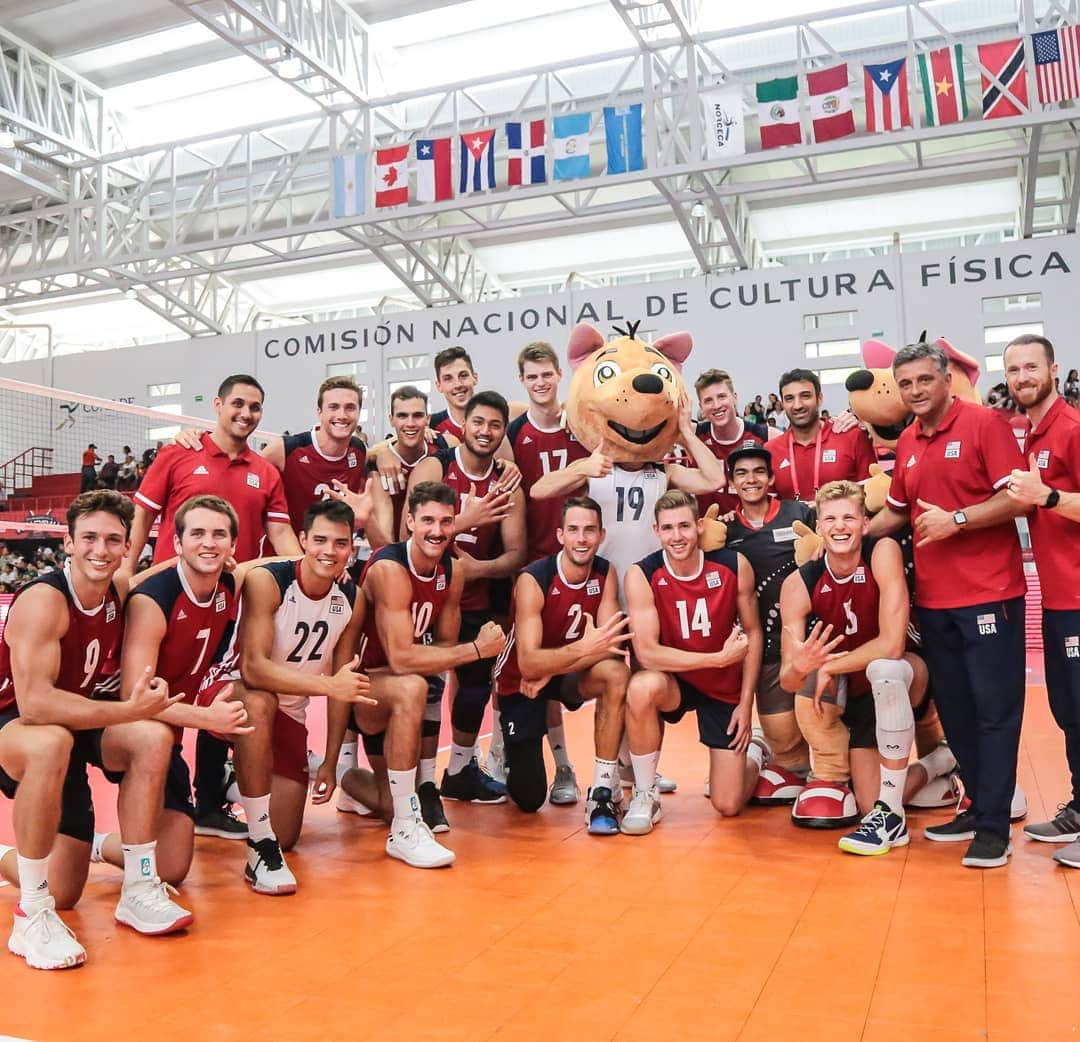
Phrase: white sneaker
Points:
(662, 784)
(266, 870)
(644, 812)
(147, 907)
(564, 788)
(347, 805)
(411, 841)
(44, 940)
(495, 765)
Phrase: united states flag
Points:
(1057, 63)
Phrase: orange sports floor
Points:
(706, 930)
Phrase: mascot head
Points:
(626, 393)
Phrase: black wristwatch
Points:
(1052, 499)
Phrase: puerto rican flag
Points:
(392, 176)
(886, 90)
(477, 161)
(434, 176)
(526, 163)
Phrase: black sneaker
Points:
(431, 807)
(221, 823)
(1064, 827)
(987, 850)
(472, 785)
(959, 830)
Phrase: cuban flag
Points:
(347, 179)
(434, 173)
(477, 161)
(622, 131)
(525, 162)
(885, 87)
(571, 135)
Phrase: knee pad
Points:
(526, 777)
(890, 681)
(374, 744)
(827, 738)
(469, 705)
(785, 739)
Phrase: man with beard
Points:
(1050, 487)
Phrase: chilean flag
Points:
(392, 176)
(477, 161)
(434, 176)
(526, 163)
(886, 89)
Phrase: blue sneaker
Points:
(472, 785)
(878, 832)
(600, 813)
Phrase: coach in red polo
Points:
(953, 467)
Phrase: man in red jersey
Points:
(1050, 488)
(953, 466)
(812, 452)
(698, 638)
(225, 466)
(455, 380)
(62, 638)
(568, 645)
(411, 593)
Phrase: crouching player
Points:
(697, 635)
(568, 645)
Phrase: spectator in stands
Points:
(90, 460)
(126, 481)
(1072, 385)
(109, 473)
(149, 454)
(774, 408)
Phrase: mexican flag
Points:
(778, 112)
(941, 74)
(830, 103)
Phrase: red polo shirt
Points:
(1055, 444)
(800, 470)
(250, 483)
(964, 462)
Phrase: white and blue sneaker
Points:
(878, 832)
(600, 813)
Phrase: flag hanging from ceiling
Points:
(434, 170)
(778, 112)
(830, 103)
(571, 134)
(526, 163)
(392, 176)
(1057, 63)
(886, 90)
(941, 73)
(622, 132)
(725, 124)
(347, 182)
(1006, 61)
(477, 161)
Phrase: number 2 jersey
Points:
(698, 613)
(566, 607)
(89, 650)
(429, 596)
(308, 474)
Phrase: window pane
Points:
(163, 390)
(828, 348)
(1016, 302)
(400, 362)
(162, 433)
(836, 376)
(346, 369)
(1003, 334)
(829, 320)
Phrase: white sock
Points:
(346, 759)
(557, 741)
(892, 788)
(427, 770)
(95, 847)
(140, 862)
(604, 774)
(755, 754)
(403, 793)
(460, 755)
(938, 761)
(257, 814)
(496, 747)
(33, 882)
(644, 769)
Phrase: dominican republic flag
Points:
(830, 103)
(622, 132)
(886, 90)
(392, 176)
(1006, 61)
(526, 163)
(571, 134)
(347, 180)
(941, 73)
(1057, 63)
(477, 161)
(434, 173)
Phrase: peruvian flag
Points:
(434, 173)
(830, 103)
(525, 161)
(392, 176)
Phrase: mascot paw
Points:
(808, 544)
(876, 488)
(714, 533)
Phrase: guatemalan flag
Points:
(477, 161)
(525, 163)
(886, 89)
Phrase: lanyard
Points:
(817, 463)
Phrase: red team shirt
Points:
(444, 423)
(755, 432)
(566, 606)
(698, 614)
(1055, 443)
(968, 458)
(250, 483)
(308, 474)
(400, 497)
(429, 596)
(849, 605)
(800, 470)
(538, 451)
(89, 650)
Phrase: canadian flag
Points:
(392, 176)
